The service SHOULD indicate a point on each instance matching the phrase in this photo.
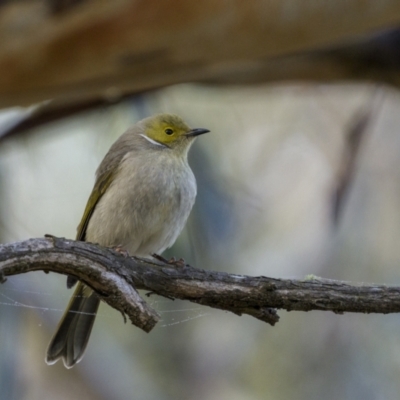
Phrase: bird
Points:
(143, 194)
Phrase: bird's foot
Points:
(178, 263)
(172, 261)
(119, 249)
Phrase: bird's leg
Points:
(160, 258)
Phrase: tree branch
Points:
(101, 49)
(116, 278)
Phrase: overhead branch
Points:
(116, 277)
(102, 49)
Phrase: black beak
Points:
(197, 132)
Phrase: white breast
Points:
(146, 207)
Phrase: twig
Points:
(351, 155)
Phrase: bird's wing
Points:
(105, 175)
(103, 181)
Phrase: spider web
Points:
(35, 292)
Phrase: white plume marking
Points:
(151, 140)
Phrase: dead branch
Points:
(116, 278)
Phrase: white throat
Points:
(152, 141)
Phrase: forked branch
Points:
(116, 278)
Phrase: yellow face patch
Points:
(166, 128)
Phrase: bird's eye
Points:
(169, 131)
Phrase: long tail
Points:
(73, 331)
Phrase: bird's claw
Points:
(119, 249)
(172, 261)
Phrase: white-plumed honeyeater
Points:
(140, 202)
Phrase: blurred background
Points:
(296, 178)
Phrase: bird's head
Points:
(169, 131)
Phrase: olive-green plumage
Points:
(141, 199)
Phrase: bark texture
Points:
(116, 277)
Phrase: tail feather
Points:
(72, 334)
